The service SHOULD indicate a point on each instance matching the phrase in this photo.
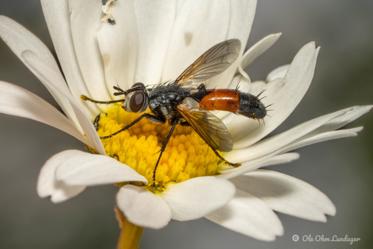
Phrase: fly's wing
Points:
(210, 128)
(213, 62)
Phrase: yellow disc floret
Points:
(186, 155)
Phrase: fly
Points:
(186, 101)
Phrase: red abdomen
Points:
(221, 100)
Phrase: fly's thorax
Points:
(168, 93)
(164, 99)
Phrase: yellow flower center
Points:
(186, 155)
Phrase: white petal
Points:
(48, 184)
(257, 50)
(49, 76)
(250, 216)
(287, 194)
(322, 137)
(155, 20)
(86, 169)
(85, 20)
(242, 13)
(142, 207)
(118, 46)
(278, 73)
(189, 39)
(57, 15)
(197, 197)
(278, 142)
(285, 94)
(19, 102)
(19, 40)
(350, 115)
(259, 163)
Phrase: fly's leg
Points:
(184, 123)
(223, 159)
(96, 122)
(145, 115)
(163, 148)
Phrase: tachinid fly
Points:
(187, 101)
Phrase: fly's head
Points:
(136, 98)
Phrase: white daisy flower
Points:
(128, 41)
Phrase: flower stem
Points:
(130, 235)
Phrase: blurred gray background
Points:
(342, 169)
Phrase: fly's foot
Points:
(96, 122)
(234, 165)
(156, 187)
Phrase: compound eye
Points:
(138, 85)
(137, 102)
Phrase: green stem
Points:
(130, 234)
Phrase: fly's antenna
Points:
(119, 91)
